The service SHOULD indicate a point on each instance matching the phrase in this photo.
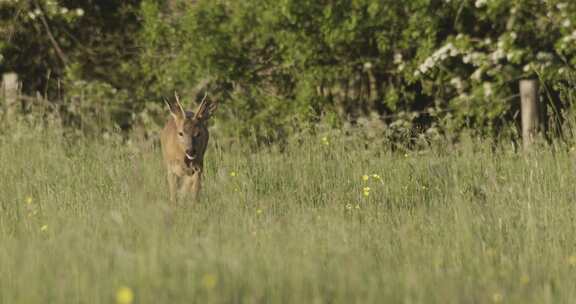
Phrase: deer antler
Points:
(176, 96)
(201, 111)
(204, 98)
(175, 108)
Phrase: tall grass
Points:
(469, 224)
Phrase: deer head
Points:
(191, 130)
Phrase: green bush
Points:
(455, 64)
(281, 67)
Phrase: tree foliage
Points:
(278, 66)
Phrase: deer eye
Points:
(180, 134)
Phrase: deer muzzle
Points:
(190, 155)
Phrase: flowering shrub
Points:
(280, 66)
(455, 63)
(492, 45)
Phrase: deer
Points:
(184, 140)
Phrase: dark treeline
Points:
(277, 67)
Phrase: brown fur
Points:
(184, 140)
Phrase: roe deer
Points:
(184, 140)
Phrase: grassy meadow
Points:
(462, 224)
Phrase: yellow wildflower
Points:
(524, 279)
(497, 297)
(233, 174)
(124, 295)
(44, 228)
(366, 189)
(572, 260)
(365, 177)
(258, 211)
(325, 141)
(29, 200)
(490, 252)
(366, 193)
(209, 281)
(376, 176)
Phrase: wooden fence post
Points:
(531, 111)
(10, 90)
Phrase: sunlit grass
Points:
(327, 221)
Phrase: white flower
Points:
(474, 58)
(448, 50)
(477, 75)
(497, 55)
(487, 89)
(457, 83)
(64, 11)
(512, 55)
(544, 56)
(481, 3)
(79, 12)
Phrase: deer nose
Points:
(190, 154)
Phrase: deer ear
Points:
(205, 109)
(211, 108)
(175, 108)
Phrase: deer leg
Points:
(191, 184)
(172, 183)
(187, 184)
(196, 185)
